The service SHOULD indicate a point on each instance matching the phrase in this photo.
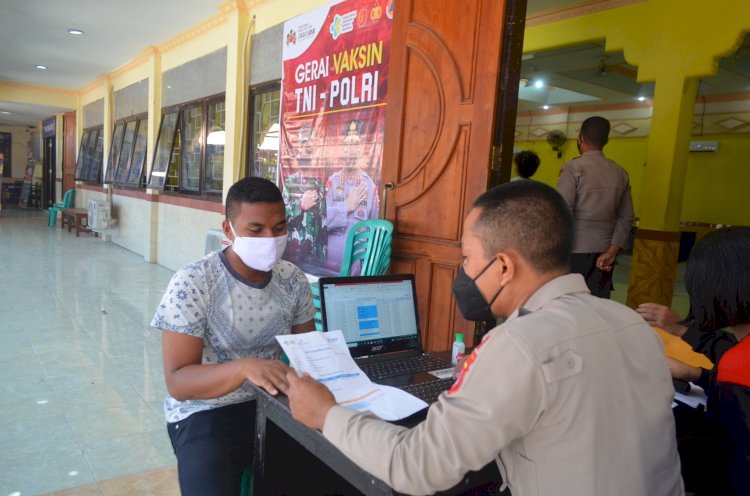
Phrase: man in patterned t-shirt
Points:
(218, 318)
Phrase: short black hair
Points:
(717, 279)
(527, 162)
(529, 217)
(595, 131)
(251, 190)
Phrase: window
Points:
(128, 152)
(90, 155)
(264, 146)
(189, 156)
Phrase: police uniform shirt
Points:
(571, 395)
(597, 191)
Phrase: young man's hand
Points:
(268, 374)
(309, 400)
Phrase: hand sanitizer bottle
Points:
(458, 349)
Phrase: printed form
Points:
(326, 358)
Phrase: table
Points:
(292, 459)
(9, 190)
(78, 218)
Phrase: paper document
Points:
(694, 398)
(326, 358)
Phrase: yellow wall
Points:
(716, 190)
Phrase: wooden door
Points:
(443, 85)
(69, 151)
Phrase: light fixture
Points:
(41, 67)
(545, 107)
(74, 31)
(539, 84)
(641, 98)
(4, 112)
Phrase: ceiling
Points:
(36, 32)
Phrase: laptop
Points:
(378, 318)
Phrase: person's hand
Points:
(606, 260)
(683, 371)
(267, 374)
(661, 316)
(308, 199)
(309, 400)
(356, 196)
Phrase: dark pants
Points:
(598, 281)
(213, 448)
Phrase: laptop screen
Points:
(376, 314)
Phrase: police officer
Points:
(570, 395)
(351, 196)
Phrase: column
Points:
(657, 242)
(154, 121)
(239, 25)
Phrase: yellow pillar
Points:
(239, 26)
(654, 265)
(150, 251)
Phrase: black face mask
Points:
(470, 301)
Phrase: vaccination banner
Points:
(333, 100)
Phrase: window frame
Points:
(138, 121)
(89, 161)
(259, 89)
(178, 133)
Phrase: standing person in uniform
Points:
(597, 191)
(218, 318)
(570, 395)
(303, 194)
(351, 196)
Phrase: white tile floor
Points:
(81, 378)
(81, 381)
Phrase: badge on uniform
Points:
(361, 212)
(338, 194)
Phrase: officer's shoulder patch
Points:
(734, 366)
(468, 362)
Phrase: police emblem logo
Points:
(338, 194)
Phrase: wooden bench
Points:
(78, 218)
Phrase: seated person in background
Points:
(570, 395)
(717, 280)
(527, 162)
(218, 318)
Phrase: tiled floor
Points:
(81, 379)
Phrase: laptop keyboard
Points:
(429, 391)
(410, 365)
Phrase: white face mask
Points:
(259, 253)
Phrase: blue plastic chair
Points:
(367, 253)
(68, 201)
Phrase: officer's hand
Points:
(356, 196)
(661, 316)
(309, 400)
(606, 260)
(308, 200)
(268, 374)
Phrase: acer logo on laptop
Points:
(377, 348)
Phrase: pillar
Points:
(654, 266)
(150, 252)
